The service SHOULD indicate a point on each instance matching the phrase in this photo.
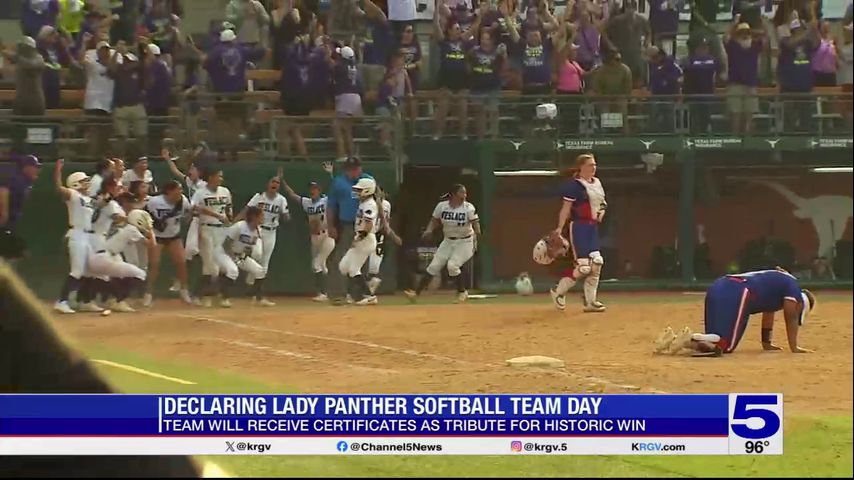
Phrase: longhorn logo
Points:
(647, 144)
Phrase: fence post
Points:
(486, 172)
(687, 225)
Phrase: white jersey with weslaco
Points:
(194, 185)
(80, 210)
(456, 221)
(169, 214)
(243, 239)
(380, 224)
(218, 201)
(121, 236)
(315, 210)
(365, 215)
(129, 176)
(273, 208)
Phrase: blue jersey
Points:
(768, 289)
(587, 197)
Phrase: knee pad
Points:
(583, 266)
(596, 258)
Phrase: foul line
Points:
(140, 371)
(415, 353)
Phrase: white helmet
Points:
(141, 220)
(365, 187)
(523, 284)
(76, 180)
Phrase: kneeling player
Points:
(124, 277)
(731, 299)
(236, 255)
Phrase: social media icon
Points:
(342, 446)
(516, 446)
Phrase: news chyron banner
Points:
(734, 424)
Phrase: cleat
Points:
(462, 297)
(706, 337)
(411, 295)
(264, 303)
(348, 300)
(594, 308)
(123, 307)
(373, 284)
(371, 300)
(185, 297)
(205, 302)
(90, 307)
(147, 300)
(72, 300)
(175, 287)
(665, 338)
(63, 307)
(320, 297)
(681, 341)
(225, 303)
(110, 304)
(559, 300)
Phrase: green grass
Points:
(814, 446)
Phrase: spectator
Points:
(163, 28)
(124, 21)
(342, 19)
(627, 33)
(157, 82)
(750, 11)
(588, 38)
(29, 93)
(538, 18)
(98, 96)
(321, 73)
(341, 215)
(36, 14)
(376, 46)
(129, 118)
(288, 19)
(701, 27)
(347, 87)
(226, 67)
(70, 19)
(394, 87)
(53, 48)
(743, 51)
(453, 79)
(824, 60)
(613, 78)
(570, 81)
(411, 51)
(91, 28)
(665, 78)
(14, 190)
(537, 59)
(401, 14)
(664, 23)
(700, 74)
(250, 18)
(496, 20)
(296, 90)
(460, 13)
(485, 63)
(794, 73)
(845, 72)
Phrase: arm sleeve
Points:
(305, 203)
(472, 213)
(437, 212)
(569, 191)
(284, 203)
(253, 201)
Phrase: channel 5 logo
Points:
(516, 446)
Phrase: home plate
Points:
(481, 296)
(535, 361)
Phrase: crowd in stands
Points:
(353, 56)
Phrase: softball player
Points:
(235, 254)
(730, 301)
(459, 221)
(107, 213)
(214, 205)
(274, 207)
(124, 276)
(139, 172)
(193, 182)
(364, 243)
(382, 229)
(80, 208)
(584, 206)
(168, 211)
(321, 243)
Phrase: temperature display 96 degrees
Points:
(756, 424)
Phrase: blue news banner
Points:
(391, 424)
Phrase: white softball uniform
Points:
(321, 243)
(80, 233)
(110, 263)
(273, 208)
(238, 255)
(168, 216)
(95, 184)
(130, 176)
(211, 229)
(191, 245)
(458, 245)
(361, 249)
(375, 261)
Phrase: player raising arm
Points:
(168, 210)
(80, 208)
(460, 223)
(213, 204)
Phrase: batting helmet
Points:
(76, 180)
(141, 220)
(365, 187)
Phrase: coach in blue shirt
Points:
(341, 214)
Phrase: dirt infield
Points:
(462, 348)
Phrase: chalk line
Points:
(141, 371)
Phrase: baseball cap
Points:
(28, 41)
(139, 159)
(227, 36)
(153, 49)
(102, 44)
(45, 31)
(29, 161)
(795, 24)
(131, 57)
(313, 184)
(742, 27)
(347, 52)
(352, 162)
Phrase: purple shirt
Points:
(345, 78)
(588, 40)
(128, 91)
(226, 66)
(158, 86)
(664, 77)
(161, 33)
(536, 63)
(19, 188)
(743, 63)
(32, 21)
(320, 73)
(794, 66)
(377, 43)
(452, 58)
(485, 70)
(663, 21)
(700, 74)
(296, 73)
(411, 54)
